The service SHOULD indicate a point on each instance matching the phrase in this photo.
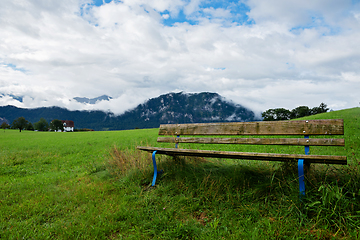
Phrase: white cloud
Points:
(218, 12)
(299, 13)
(296, 53)
(192, 6)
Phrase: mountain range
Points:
(92, 100)
(17, 98)
(168, 108)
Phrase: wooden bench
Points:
(285, 131)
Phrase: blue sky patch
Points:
(237, 9)
(14, 67)
(238, 13)
(317, 22)
(180, 18)
(100, 2)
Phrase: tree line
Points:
(42, 125)
(278, 114)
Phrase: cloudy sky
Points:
(258, 53)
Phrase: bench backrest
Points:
(265, 128)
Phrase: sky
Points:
(260, 54)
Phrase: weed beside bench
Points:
(278, 132)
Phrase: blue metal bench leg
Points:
(155, 168)
(301, 170)
(301, 177)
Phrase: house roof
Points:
(68, 123)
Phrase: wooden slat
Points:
(257, 141)
(303, 127)
(249, 155)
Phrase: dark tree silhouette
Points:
(4, 126)
(56, 125)
(277, 114)
(42, 125)
(20, 123)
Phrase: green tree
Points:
(56, 125)
(276, 114)
(41, 125)
(4, 126)
(300, 111)
(321, 109)
(20, 123)
(30, 127)
(284, 114)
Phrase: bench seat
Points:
(325, 159)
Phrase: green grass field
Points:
(95, 185)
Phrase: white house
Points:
(68, 125)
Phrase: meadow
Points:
(96, 185)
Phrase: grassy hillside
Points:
(352, 132)
(94, 185)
